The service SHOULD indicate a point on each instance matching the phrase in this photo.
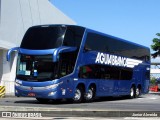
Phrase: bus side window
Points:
(86, 72)
(107, 76)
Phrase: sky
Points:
(133, 20)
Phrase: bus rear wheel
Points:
(90, 94)
(138, 92)
(132, 92)
(79, 95)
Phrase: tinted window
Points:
(105, 72)
(35, 68)
(51, 37)
(115, 46)
(73, 36)
(67, 63)
(43, 38)
(42, 68)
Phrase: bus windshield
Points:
(35, 68)
(42, 68)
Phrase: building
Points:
(16, 16)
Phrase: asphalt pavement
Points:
(110, 108)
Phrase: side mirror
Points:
(10, 51)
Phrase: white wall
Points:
(16, 16)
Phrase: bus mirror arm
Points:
(62, 49)
(10, 51)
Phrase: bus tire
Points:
(138, 92)
(79, 95)
(89, 96)
(42, 100)
(132, 92)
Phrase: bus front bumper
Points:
(54, 91)
(37, 94)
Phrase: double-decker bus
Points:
(73, 62)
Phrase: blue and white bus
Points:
(73, 62)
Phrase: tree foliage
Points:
(156, 46)
(153, 81)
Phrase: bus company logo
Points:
(115, 60)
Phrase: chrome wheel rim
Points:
(89, 94)
(132, 92)
(77, 95)
(137, 92)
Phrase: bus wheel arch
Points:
(79, 93)
(91, 92)
(138, 90)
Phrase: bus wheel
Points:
(42, 100)
(132, 92)
(78, 97)
(138, 92)
(90, 94)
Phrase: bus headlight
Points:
(53, 86)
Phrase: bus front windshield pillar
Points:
(62, 49)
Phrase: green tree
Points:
(153, 81)
(156, 46)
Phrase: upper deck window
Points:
(108, 44)
(50, 37)
(43, 38)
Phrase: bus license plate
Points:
(31, 94)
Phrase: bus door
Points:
(66, 63)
